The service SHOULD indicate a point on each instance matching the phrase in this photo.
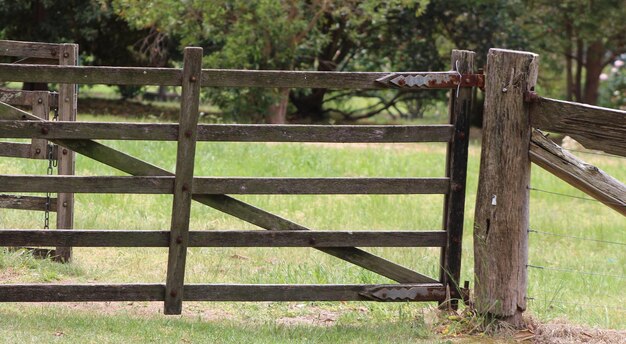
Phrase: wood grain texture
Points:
(25, 98)
(219, 186)
(232, 206)
(456, 169)
(68, 104)
(15, 150)
(227, 132)
(91, 75)
(593, 126)
(41, 109)
(29, 49)
(249, 238)
(26, 203)
(585, 177)
(208, 292)
(183, 183)
(502, 201)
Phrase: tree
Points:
(581, 36)
(269, 34)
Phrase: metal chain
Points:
(52, 163)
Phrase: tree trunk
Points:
(310, 106)
(278, 111)
(579, 70)
(593, 68)
(569, 80)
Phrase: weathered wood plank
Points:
(41, 109)
(183, 184)
(211, 77)
(219, 186)
(502, 200)
(214, 292)
(593, 126)
(232, 206)
(456, 169)
(250, 238)
(15, 150)
(26, 203)
(227, 132)
(25, 98)
(68, 104)
(585, 177)
(29, 49)
(91, 75)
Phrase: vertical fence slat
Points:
(41, 109)
(456, 170)
(67, 112)
(179, 235)
(502, 200)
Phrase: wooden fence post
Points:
(502, 201)
(456, 170)
(181, 207)
(68, 99)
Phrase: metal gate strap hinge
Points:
(432, 80)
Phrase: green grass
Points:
(353, 321)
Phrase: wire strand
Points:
(584, 305)
(576, 197)
(576, 237)
(574, 271)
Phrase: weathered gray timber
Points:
(585, 177)
(594, 127)
(29, 49)
(15, 150)
(227, 132)
(213, 292)
(456, 169)
(26, 203)
(183, 184)
(228, 205)
(257, 238)
(41, 109)
(25, 98)
(220, 186)
(68, 103)
(502, 200)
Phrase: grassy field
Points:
(580, 298)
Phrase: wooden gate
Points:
(217, 192)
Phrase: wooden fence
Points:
(213, 192)
(42, 102)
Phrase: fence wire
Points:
(574, 271)
(578, 304)
(573, 196)
(576, 237)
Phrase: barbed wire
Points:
(574, 271)
(583, 305)
(573, 196)
(576, 237)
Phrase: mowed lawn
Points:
(593, 299)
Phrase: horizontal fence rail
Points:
(237, 78)
(250, 238)
(218, 186)
(27, 203)
(228, 132)
(30, 49)
(223, 292)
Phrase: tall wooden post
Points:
(456, 170)
(183, 184)
(68, 99)
(502, 201)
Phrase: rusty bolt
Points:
(64, 151)
(185, 187)
(531, 97)
(179, 239)
(37, 151)
(173, 293)
(44, 131)
(457, 187)
(39, 100)
(187, 133)
(193, 78)
(460, 135)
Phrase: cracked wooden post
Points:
(181, 207)
(502, 200)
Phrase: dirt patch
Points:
(8, 275)
(312, 316)
(562, 333)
